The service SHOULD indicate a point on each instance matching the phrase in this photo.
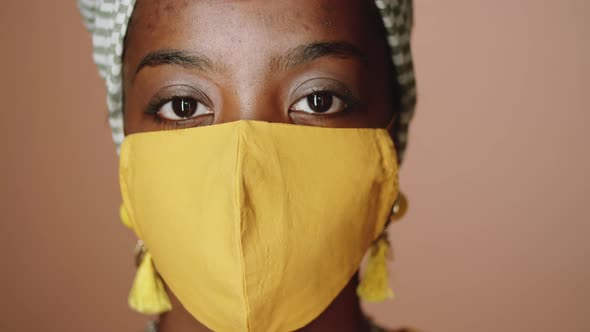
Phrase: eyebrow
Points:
(180, 58)
(295, 57)
(305, 54)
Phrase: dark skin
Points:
(306, 62)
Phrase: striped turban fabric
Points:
(107, 22)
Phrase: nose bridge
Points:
(253, 99)
(261, 110)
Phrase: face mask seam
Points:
(391, 167)
(239, 224)
(126, 175)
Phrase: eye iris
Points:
(320, 102)
(184, 107)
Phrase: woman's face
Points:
(308, 62)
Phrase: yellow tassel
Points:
(374, 286)
(148, 295)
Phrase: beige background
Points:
(497, 174)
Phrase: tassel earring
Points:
(374, 286)
(148, 295)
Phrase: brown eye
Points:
(184, 107)
(181, 108)
(322, 102)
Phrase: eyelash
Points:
(156, 104)
(351, 101)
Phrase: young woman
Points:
(260, 142)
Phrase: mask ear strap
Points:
(392, 121)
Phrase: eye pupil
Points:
(184, 107)
(320, 102)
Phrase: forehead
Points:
(247, 30)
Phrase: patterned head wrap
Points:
(107, 22)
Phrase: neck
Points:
(344, 315)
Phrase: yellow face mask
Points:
(258, 226)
